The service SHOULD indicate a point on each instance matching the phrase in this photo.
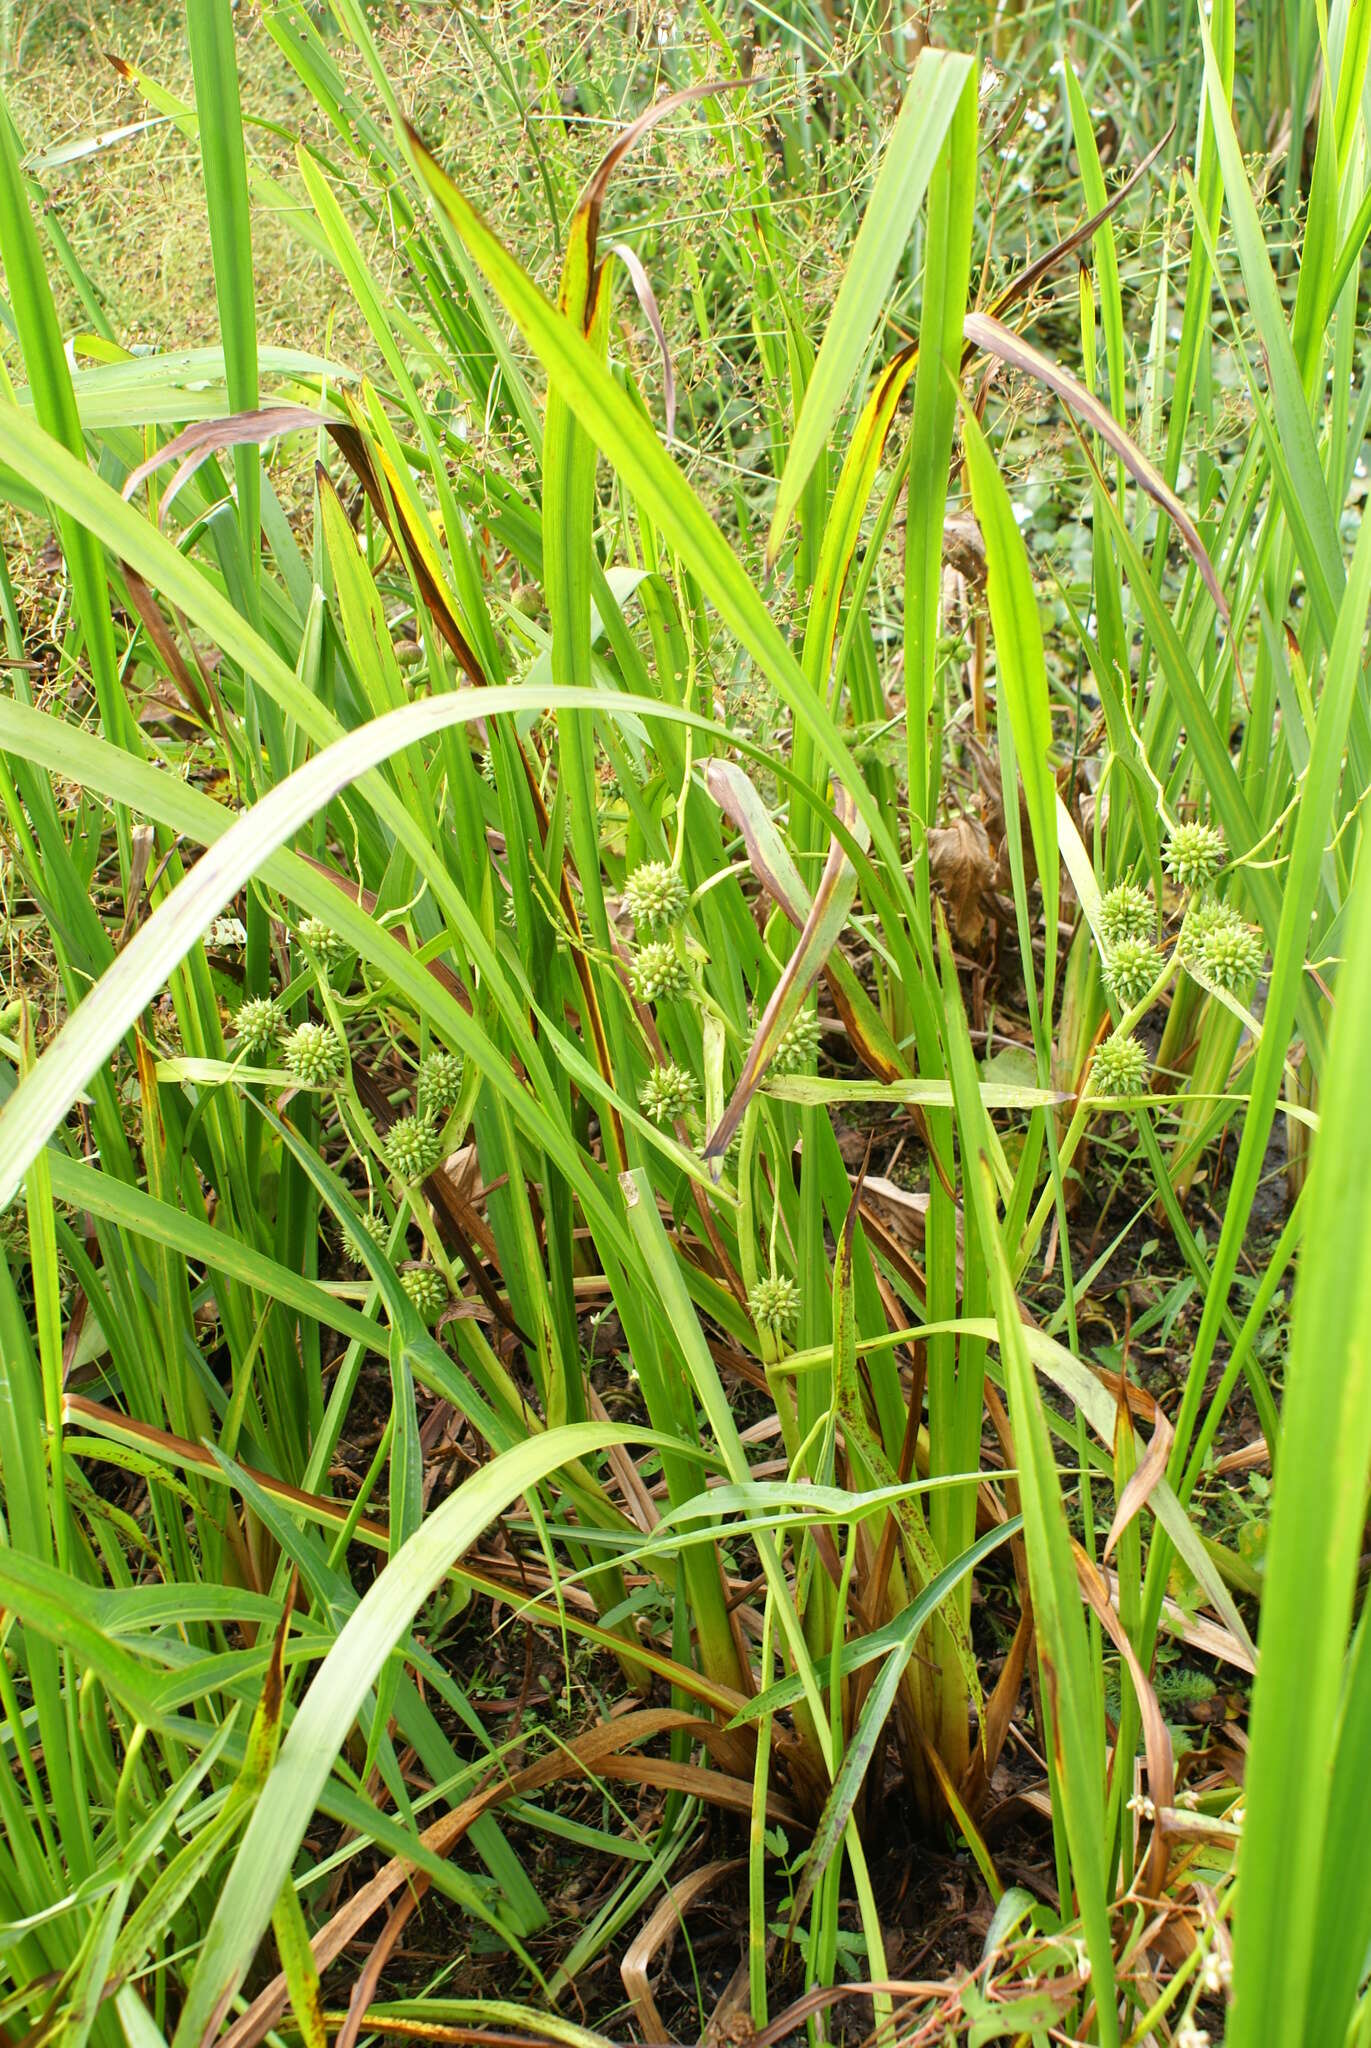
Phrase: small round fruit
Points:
(659, 973)
(667, 1093)
(1194, 854)
(1126, 912)
(655, 896)
(774, 1305)
(257, 1023)
(313, 1054)
(440, 1082)
(1120, 1066)
(427, 1289)
(413, 1148)
(1130, 971)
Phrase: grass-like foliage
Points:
(648, 893)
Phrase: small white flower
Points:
(1144, 1807)
(1189, 1799)
(1216, 1973)
(1192, 2037)
(1237, 1814)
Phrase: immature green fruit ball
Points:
(668, 1092)
(1126, 912)
(1200, 920)
(1130, 970)
(798, 1046)
(659, 973)
(427, 1289)
(440, 1082)
(655, 896)
(1228, 952)
(313, 1054)
(1194, 854)
(1120, 1066)
(352, 1244)
(413, 1148)
(257, 1023)
(775, 1305)
(322, 940)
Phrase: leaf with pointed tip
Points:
(770, 861)
(882, 240)
(994, 339)
(828, 914)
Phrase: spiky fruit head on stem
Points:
(1194, 854)
(313, 1054)
(1130, 971)
(440, 1082)
(1121, 1066)
(667, 1093)
(321, 940)
(1222, 949)
(412, 1148)
(774, 1305)
(257, 1023)
(1126, 912)
(659, 972)
(655, 896)
(799, 1045)
(427, 1289)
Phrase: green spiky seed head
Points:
(774, 1305)
(1200, 920)
(352, 1244)
(413, 1148)
(427, 1289)
(667, 1093)
(1194, 854)
(1226, 951)
(440, 1082)
(322, 940)
(313, 1054)
(1120, 1066)
(1126, 912)
(659, 972)
(798, 1046)
(1130, 971)
(257, 1023)
(655, 896)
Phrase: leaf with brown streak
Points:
(647, 299)
(774, 869)
(828, 914)
(1139, 1487)
(1161, 1768)
(994, 339)
(1033, 273)
(586, 221)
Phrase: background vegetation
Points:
(685, 1175)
